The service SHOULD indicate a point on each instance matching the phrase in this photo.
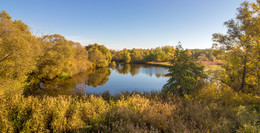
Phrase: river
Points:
(122, 78)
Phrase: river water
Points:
(122, 78)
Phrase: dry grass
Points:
(205, 63)
(156, 63)
(211, 109)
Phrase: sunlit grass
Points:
(209, 109)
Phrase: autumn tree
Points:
(136, 55)
(59, 58)
(19, 51)
(241, 47)
(56, 60)
(80, 57)
(169, 52)
(126, 56)
(99, 55)
(164, 53)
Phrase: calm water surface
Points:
(123, 77)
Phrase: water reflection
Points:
(98, 77)
(55, 87)
(123, 68)
(123, 77)
(146, 69)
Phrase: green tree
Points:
(159, 54)
(186, 75)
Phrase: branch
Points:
(6, 56)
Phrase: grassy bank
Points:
(209, 110)
(162, 64)
(167, 64)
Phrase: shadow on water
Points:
(93, 78)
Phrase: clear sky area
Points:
(119, 24)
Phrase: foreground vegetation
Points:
(210, 110)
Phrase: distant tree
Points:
(113, 64)
(97, 58)
(136, 55)
(203, 57)
(185, 73)
(80, 57)
(169, 52)
(126, 56)
(144, 55)
(159, 54)
(99, 55)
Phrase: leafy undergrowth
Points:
(209, 110)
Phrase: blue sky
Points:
(121, 24)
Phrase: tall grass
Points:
(209, 110)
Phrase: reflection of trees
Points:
(135, 69)
(93, 77)
(126, 68)
(155, 70)
(113, 67)
(158, 75)
(98, 76)
(55, 87)
(123, 68)
(75, 85)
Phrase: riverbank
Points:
(152, 63)
(161, 64)
(167, 64)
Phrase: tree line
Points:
(161, 54)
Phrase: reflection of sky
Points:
(145, 80)
(153, 71)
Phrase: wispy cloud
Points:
(83, 40)
(80, 39)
